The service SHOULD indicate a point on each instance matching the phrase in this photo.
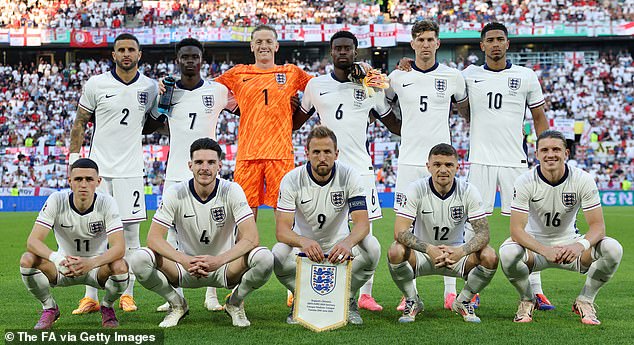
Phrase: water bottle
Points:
(166, 98)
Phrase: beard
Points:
(127, 68)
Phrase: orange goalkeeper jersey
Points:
(266, 118)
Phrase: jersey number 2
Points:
(125, 113)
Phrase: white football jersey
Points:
(80, 234)
(194, 114)
(440, 220)
(204, 227)
(552, 208)
(321, 209)
(119, 110)
(344, 107)
(424, 98)
(498, 101)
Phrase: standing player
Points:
(264, 91)
(499, 93)
(312, 216)
(439, 206)
(544, 234)
(117, 102)
(217, 236)
(196, 105)
(90, 245)
(424, 96)
(345, 108)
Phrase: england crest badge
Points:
(218, 214)
(280, 78)
(142, 97)
(441, 85)
(359, 94)
(457, 212)
(208, 101)
(323, 279)
(95, 228)
(569, 199)
(336, 198)
(515, 83)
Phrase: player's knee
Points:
(396, 253)
(262, 258)
(610, 249)
(280, 252)
(488, 258)
(511, 252)
(142, 260)
(373, 248)
(119, 266)
(28, 260)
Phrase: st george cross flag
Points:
(322, 292)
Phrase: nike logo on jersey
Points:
(246, 79)
(66, 226)
(406, 85)
(374, 210)
(427, 212)
(135, 212)
(189, 215)
(323, 93)
(108, 96)
(478, 81)
(305, 201)
(536, 200)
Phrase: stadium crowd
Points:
(108, 14)
(38, 104)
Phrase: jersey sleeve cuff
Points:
(537, 104)
(518, 209)
(287, 210)
(86, 108)
(161, 222)
(386, 113)
(113, 230)
(591, 207)
(308, 112)
(464, 99)
(44, 224)
(477, 216)
(243, 218)
(405, 215)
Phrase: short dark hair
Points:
(425, 25)
(550, 133)
(263, 27)
(205, 144)
(85, 163)
(344, 34)
(493, 26)
(189, 42)
(127, 36)
(321, 132)
(443, 150)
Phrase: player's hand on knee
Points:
(569, 253)
(339, 253)
(453, 254)
(208, 263)
(312, 249)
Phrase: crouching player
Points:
(439, 206)
(205, 212)
(312, 216)
(543, 229)
(90, 245)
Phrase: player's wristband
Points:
(585, 243)
(73, 157)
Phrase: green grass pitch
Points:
(266, 308)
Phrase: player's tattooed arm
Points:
(481, 237)
(409, 240)
(79, 128)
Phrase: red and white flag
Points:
(25, 37)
